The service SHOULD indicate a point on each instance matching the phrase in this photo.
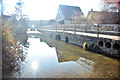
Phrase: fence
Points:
(84, 27)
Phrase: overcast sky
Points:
(47, 9)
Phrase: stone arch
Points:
(108, 45)
(100, 43)
(116, 46)
(58, 37)
(66, 39)
(51, 35)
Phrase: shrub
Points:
(12, 54)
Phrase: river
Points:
(50, 58)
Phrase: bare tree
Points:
(109, 7)
(18, 9)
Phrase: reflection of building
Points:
(65, 13)
(103, 17)
(62, 57)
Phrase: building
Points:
(34, 22)
(65, 14)
(47, 22)
(103, 17)
(38, 23)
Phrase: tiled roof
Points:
(66, 12)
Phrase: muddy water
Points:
(49, 58)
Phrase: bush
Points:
(12, 54)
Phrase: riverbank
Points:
(109, 46)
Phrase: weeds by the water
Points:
(12, 54)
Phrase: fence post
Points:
(75, 29)
(56, 27)
(63, 28)
(98, 30)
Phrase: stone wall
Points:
(100, 45)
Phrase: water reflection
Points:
(86, 63)
(98, 65)
(52, 60)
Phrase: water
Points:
(49, 58)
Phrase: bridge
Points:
(102, 40)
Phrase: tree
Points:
(18, 9)
(109, 7)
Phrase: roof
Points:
(6, 16)
(103, 17)
(66, 12)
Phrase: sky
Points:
(47, 9)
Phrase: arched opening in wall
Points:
(66, 39)
(100, 43)
(108, 45)
(51, 35)
(116, 46)
(58, 37)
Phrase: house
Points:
(65, 14)
(34, 22)
(38, 23)
(103, 17)
(47, 22)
